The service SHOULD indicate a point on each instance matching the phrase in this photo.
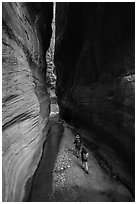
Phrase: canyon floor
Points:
(60, 176)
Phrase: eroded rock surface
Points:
(25, 101)
(94, 59)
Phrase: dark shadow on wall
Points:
(95, 63)
(42, 180)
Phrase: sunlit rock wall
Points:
(26, 33)
(94, 59)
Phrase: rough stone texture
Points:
(25, 101)
(94, 60)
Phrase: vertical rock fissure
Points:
(50, 74)
(50, 84)
(84, 53)
(51, 71)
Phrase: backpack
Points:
(78, 142)
(85, 154)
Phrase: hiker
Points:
(78, 145)
(84, 159)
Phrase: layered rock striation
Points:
(26, 33)
(94, 62)
(94, 59)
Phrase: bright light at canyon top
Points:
(51, 75)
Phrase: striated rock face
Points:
(94, 59)
(26, 37)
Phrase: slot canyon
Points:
(92, 94)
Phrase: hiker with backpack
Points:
(84, 159)
(78, 145)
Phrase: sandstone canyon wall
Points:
(94, 59)
(26, 33)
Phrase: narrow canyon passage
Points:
(68, 68)
(60, 177)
